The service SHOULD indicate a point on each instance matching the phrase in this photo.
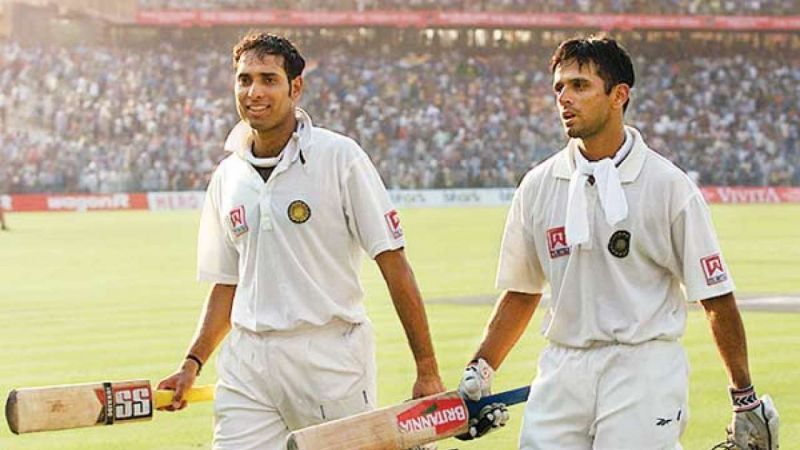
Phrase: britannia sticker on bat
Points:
(557, 242)
(238, 221)
(713, 269)
(441, 415)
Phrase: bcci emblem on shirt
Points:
(620, 243)
(299, 211)
(238, 221)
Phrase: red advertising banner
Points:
(724, 194)
(170, 201)
(75, 202)
(439, 198)
(456, 19)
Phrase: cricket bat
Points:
(85, 405)
(401, 426)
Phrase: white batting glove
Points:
(755, 421)
(477, 380)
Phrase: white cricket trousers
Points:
(272, 383)
(611, 397)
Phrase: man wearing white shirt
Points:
(616, 230)
(286, 220)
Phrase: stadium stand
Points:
(712, 7)
(436, 117)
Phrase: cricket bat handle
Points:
(509, 398)
(163, 397)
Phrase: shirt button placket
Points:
(591, 212)
(266, 216)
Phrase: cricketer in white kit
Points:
(624, 238)
(287, 218)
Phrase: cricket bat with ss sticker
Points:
(85, 405)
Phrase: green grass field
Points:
(111, 296)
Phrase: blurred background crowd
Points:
(431, 114)
(583, 6)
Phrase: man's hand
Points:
(477, 380)
(755, 421)
(490, 418)
(180, 382)
(427, 385)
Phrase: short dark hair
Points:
(270, 44)
(612, 61)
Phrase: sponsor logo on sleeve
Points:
(440, 415)
(557, 242)
(713, 269)
(393, 222)
(238, 221)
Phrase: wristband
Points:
(197, 360)
(744, 399)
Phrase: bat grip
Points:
(508, 398)
(196, 394)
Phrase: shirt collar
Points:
(240, 139)
(629, 169)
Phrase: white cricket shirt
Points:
(624, 284)
(293, 245)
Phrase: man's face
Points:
(263, 97)
(583, 105)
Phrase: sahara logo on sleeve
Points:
(557, 242)
(238, 221)
(713, 269)
(393, 222)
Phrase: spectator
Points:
(430, 119)
(767, 7)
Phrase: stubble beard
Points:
(587, 131)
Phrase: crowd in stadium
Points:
(106, 120)
(714, 7)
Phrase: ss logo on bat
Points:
(132, 403)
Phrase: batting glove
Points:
(477, 380)
(755, 421)
(490, 418)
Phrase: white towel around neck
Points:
(262, 162)
(265, 163)
(609, 189)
